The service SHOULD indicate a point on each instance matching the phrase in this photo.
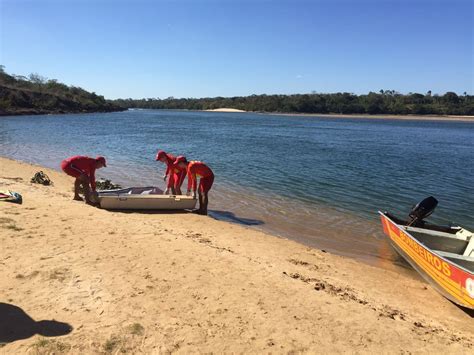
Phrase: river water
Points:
(316, 180)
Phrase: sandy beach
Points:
(179, 282)
(383, 117)
(380, 117)
(225, 110)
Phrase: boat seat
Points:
(454, 256)
(457, 236)
(470, 248)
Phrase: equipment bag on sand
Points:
(10, 196)
(41, 178)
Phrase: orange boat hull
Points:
(452, 281)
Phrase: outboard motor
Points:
(422, 210)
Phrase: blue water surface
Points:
(352, 166)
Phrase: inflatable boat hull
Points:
(143, 198)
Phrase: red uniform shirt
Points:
(82, 165)
(199, 170)
(170, 159)
(179, 175)
(175, 174)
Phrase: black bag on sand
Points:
(41, 178)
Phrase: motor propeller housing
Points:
(422, 210)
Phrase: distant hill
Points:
(20, 95)
(383, 102)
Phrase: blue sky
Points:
(200, 48)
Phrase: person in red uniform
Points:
(83, 169)
(195, 170)
(174, 174)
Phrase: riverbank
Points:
(358, 116)
(144, 282)
(35, 112)
(24, 112)
(382, 117)
(22, 97)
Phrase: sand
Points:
(225, 110)
(383, 117)
(159, 283)
(458, 118)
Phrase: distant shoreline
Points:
(37, 112)
(232, 110)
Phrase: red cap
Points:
(101, 160)
(180, 159)
(160, 154)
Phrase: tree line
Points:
(36, 94)
(383, 102)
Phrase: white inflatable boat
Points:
(143, 198)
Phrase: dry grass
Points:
(9, 223)
(112, 344)
(127, 341)
(14, 228)
(45, 346)
(6, 220)
(59, 274)
(137, 329)
(41, 343)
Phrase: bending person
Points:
(83, 169)
(173, 174)
(195, 170)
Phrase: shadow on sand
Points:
(231, 217)
(151, 211)
(15, 324)
(468, 311)
(219, 215)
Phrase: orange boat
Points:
(444, 256)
